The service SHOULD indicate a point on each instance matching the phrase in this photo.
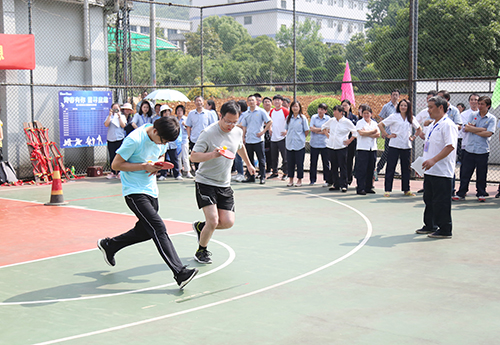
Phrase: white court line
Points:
(232, 255)
(354, 250)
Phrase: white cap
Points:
(127, 106)
(165, 107)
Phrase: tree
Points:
(355, 53)
(383, 12)
(315, 54)
(307, 32)
(231, 33)
(457, 38)
(212, 45)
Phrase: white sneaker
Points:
(162, 178)
(239, 178)
(325, 184)
(179, 178)
(188, 175)
(110, 176)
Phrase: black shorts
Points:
(222, 197)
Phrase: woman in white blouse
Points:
(401, 123)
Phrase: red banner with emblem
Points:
(17, 51)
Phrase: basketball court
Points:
(300, 266)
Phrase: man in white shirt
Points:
(278, 115)
(439, 165)
(388, 109)
(337, 129)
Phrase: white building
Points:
(172, 28)
(339, 19)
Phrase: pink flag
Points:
(347, 90)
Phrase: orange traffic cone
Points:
(56, 195)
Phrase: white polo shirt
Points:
(440, 135)
(366, 143)
(339, 132)
(402, 128)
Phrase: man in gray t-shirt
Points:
(213, 178)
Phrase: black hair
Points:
(251, 96)
(286, 100)
(461, 104)
(409, 115)
(269, 98)
(257, 95)
(182, 107)
(196, 97)
(230, 107)
(439, 101)
(211, 103)
(474, 94)
(323, 106)
(168, 128)
(150, 111)
(338, 108)
(486, 100)
(278, 97)
(348, 102)
(242, 104)
(432, 92)
(446, 94)
(291, 112)
(396, 90)
(365, 107)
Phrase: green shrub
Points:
(329, 101)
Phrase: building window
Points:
(171, 32)
(319, 21)
(360, 6)
(330, 2)
(320, 1)
(361, 27)
(350, 4)
(341, 3)
(247, 20)
(283, 4)
(339, 27)
(350, 28)
(145, 30)
(133, 28)
(330, 23)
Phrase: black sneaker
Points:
(273, 175)
(262, 181)
(334, 188)
(424, 231)
(438, 234)
(197, 229)
(185, 276)
(498, 195)
(361, 192)
(109, 257)
(371, 191)
(203, 256)
(249, 179)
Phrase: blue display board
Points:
(81, 118)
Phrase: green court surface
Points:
(300, 266)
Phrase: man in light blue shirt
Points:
(318, 145)
(136, 160)
(197, 121)
(480, 127)
(387, 110)
(255, 123)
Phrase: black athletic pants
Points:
(437, 199)
(149, 226)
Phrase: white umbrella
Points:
(167, 95)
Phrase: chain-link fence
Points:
(229, 49)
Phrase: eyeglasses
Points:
(231, 123)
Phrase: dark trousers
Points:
(365, 165)
(172, 158)
(437, 199)
(258, 149)
(471, 161)
(278, 147)
(338, 160)
(296, 159)
(459, 150)
(112, 147)
(313, 170)
(191, 145)
(149, 226)
(351, 153)
(267, 151)
(392, 161)
(383, 159)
